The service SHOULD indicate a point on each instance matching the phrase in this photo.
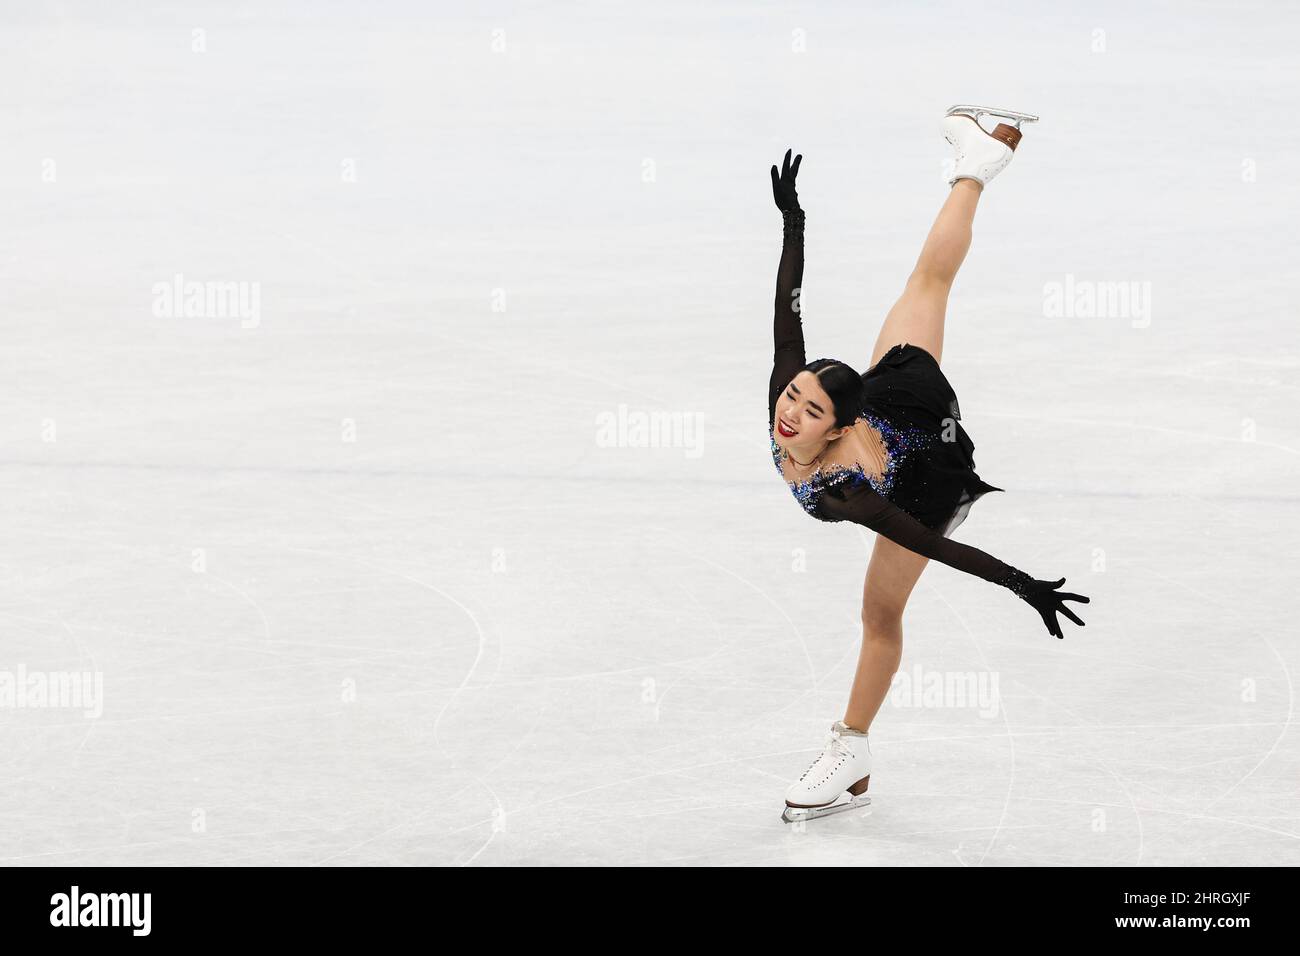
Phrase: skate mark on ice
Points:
(1144, 427)
(1101, 762)
(812, 670)
(1286, 674)
(1002, 709)
(478, 657)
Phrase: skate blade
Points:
(799, 814)
(977, 111)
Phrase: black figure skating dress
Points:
(929, 482)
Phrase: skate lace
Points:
(834, 749)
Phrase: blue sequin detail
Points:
(899, 444)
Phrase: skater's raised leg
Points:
(918, 315)
(891, 576)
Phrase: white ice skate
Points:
(836, 781)
(981, 153)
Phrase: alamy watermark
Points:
(22, 689)
(182, 299)
(1074, 298)
(127, 910)
(932, 689)
(627, 428)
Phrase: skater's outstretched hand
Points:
(1044, 598)
(783, 190)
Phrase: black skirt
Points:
(935, 483)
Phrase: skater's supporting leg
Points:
(891, 575)
(917, 317)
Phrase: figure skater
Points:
(885, 449)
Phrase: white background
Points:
(477, 635)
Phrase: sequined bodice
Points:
(899, 444)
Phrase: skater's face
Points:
(805, 415)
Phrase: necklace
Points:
(806, 464)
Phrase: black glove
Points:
(1043, 597)
(783, 184)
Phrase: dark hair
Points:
(843, 385)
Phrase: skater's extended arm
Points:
(862, 505)
(788, 355)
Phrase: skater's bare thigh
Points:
(916, 318)
(892, 573)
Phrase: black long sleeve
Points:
(788, 355)
(861, 504)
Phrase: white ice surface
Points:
(565, 653)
